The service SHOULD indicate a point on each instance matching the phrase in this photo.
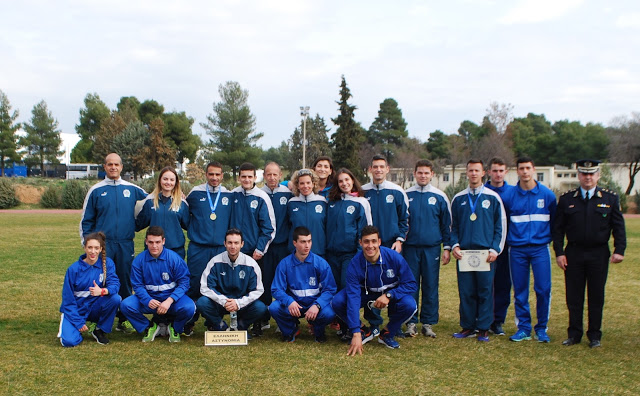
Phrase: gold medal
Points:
(213, 216)
(473, 217)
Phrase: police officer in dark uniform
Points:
(587, 216)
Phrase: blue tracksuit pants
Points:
(501, 288)
(522, 260)
(103, 312)
(214, 312)
(182, 310)
(268, 266)
(339, 262)
(475, 289)
(288, 324)
(122, 254)
(424, 262)
(198, 256)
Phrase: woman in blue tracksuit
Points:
(323, 166)
(308, 209)
(89, 293)
(165, 207)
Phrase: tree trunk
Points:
(634, 168)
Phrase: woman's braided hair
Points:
(101, 238)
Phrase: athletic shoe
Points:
(427, 331)
(291, 337)
(278, 330)
(265, 325)
(411, 330)
(367, 334)
(483, 336)
(321, 337)
(125, 327)
(465, 333)
(223, 326)
(387, 340)
(375, 330)
(151, 333)
(100, 336)
(173, 335)
(400, 333)
(520, 335)
(542, 336)
(256, 330)
(496, 328)
(595, 344)
(188, 330)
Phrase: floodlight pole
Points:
(304, 113)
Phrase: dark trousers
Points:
(586, 266)
(424, 262)
(475, 289)
(268, 264)
(122, 254)
(501, 288)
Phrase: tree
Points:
(42, 140)
(8, 128)
(472, 132)
(232, 128)
(129, 108)
(158, 153)
(493, 145)
(438, 144)
(94, 113)
(105, 136)
(624, 146)
(150, 110)
(533, 136)
(410, 151)
(179, 134)
(129, 144)
(388, 129)
(347, 138)
(280, 155)
(500, 116)
(575, 141)
(317, 143)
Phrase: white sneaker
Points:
(427, 331)
(411, 330)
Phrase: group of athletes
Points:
(321, 247)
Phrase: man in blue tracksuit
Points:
(390, 214)
(160, 280)
(429, 228)
(110, 207)
(502, 278)
(531, 208)
(231, 282)
(478, 223)
(380, 277)
(302, 287)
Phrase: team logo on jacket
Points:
(254, 204)
(225, 201)
(101, 278)
(541, 203)
(104, 194)
(318, 208)
(283, 200)
(312, 281)
(432, 201)
(235, 201)
(390, 273)
(241, 274)
(389, 198)
(126, 193)
(351, 209)
(203, 199)
(165, 276)
(486, 203)
(296, 209)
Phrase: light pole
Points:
(304, 113)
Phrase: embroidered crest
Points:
(165, 276)
(389, 198)
(101, 279)
(312, 281)
(486, 203)
(225, 201)
(432, 201)
(283, 200)
(318, 208)
(126, 193)
(254, 204)
(351, 209)
(541, 203)
(241, 275)
(390, 273)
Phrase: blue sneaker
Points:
(465, 333)
(483, 336)
(520, 335)
(375, 330)
(542, 336)
(387, 339)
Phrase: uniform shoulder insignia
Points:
(569, 192)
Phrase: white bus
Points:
(83, 171)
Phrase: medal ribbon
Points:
(472, 205)
(211, 204)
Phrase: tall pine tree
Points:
(8, 138)
(348, 137)
(42, 140)
(389, 129)
(317, 143)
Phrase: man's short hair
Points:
(475, 161)
(300, 231)
(524, 160)
(233, 231)
(213, 164)
(497, 161)
(155, 231)
(248, 166)
(369, 230)
(272, 163)
(425, 163)
(379, 157)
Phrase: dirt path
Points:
(42, 211)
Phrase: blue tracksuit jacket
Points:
(253, 214)
(241, 280)
(77, 301)
(171, 221)
(308, 282)
(202, 229)
(310, 212)
(159, 278)
(488, 230)
(389, 210)
(110, 207)
(345, 220)
(279, 199)
(531, 214)
(390, 274)
(429, 217)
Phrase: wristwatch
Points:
(389, 295)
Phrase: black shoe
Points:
(291, 337)
(570, 341)
(188, 330)
(101, 336)
(257, 329)
(321, 338)
(496, 328)
(594, 344)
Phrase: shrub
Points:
(606, 181)
(51, 197)
(73, 194)
(8, 197)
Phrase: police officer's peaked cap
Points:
(588, 166)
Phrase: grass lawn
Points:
(36, 249)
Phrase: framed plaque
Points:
(474, 260)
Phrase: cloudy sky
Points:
(443, 62)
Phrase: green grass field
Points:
(36, 249)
